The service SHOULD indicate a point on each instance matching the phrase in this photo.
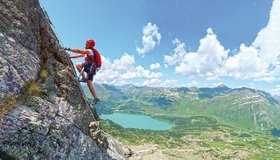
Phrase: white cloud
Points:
(177, 56)
(268, 39)
(124, 63)
(155, 66)
(259, 61)
(140, 72)
(247, 64)
(151, 37)
(120, 71)
(107, 74)
(208, 59)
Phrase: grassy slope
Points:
(195, 133)
(247, 116)
(229, 108)
(198, 137)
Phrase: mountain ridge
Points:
(242, 107)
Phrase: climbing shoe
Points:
(96, 101)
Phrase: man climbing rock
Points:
(91, 65)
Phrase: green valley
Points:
(196, 137)
(208, 123)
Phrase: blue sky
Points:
(173, 43)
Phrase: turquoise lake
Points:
(137, 121)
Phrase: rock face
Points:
(44, 113)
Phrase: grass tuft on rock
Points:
(44, 74)
(34, 89)
(8, 104)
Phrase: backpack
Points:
(97, 58)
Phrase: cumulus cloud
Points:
(208, 59)
(151, 37)
(259, 61)
(140, 72)
(107, 74)
(247, 64)
(267, 41)
(178, 55)
(120, 71)
(124, 63)
(155, 66)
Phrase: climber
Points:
(91, 65)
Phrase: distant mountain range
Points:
(239, 107)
